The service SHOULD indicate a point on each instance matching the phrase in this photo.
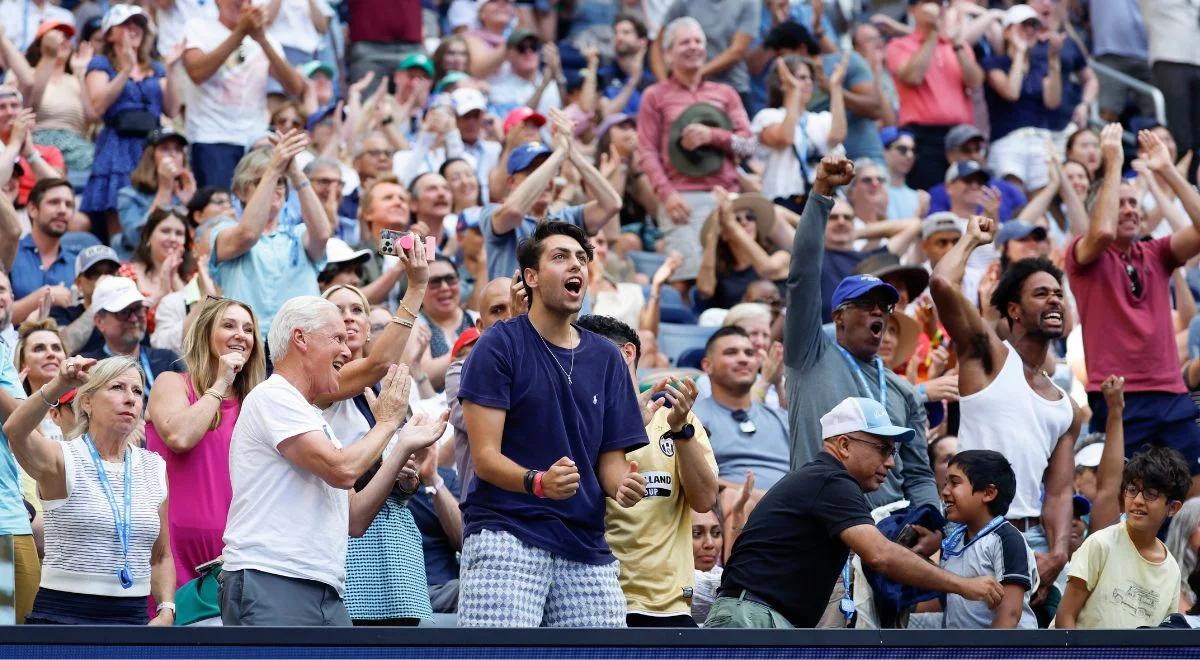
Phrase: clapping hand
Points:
(1154, 153)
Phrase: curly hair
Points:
(1162, 468)
(1008, 289)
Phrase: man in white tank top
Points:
(1007, 401)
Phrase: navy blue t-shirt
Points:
(511, 368)
(1029, 110)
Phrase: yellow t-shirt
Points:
(1127, 590)
(653, 539)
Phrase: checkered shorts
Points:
(506, 583)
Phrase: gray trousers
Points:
(255, 598)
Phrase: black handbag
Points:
(136, 123)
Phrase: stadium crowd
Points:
(600, 313)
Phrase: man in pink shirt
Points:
(1121, 288)
(933, 74)
(687, 201)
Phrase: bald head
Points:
(495, 303)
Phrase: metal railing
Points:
(1104, 71)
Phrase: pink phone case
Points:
(406, 241)
(430, 247)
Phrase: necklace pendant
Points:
(569, 381)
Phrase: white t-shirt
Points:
(293, 27)
(21, 19)
(172, 23)
(508, 91)
(782, 175)
(283, 520)
(231, 106)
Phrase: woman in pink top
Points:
(190, 423)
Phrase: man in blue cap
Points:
(787, 559)
(821, 371)
(532, 168)
(1017, 240)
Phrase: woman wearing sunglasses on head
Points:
(189, 422)
(104, 500)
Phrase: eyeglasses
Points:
(130, 313)
(1148, 494)
(903, 149)
(443, 280)
(743, 420)
(326, 181)
(884, 450)
(869, 305)
(870, 180)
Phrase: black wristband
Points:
(529, 477)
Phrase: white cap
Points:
(118, 14)
(857, 414)
(1018, 14)
(113, 294)
(467, 99)
(338, 251)
(1089, 456)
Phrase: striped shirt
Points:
(83, 554)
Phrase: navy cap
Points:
(321, 115)
(966, 168)
(523, 156)
(1083, 505)
(857, 286)
(1015, 230)
(468, 219)
(889, 134)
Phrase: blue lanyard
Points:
(883, 393)
(123, 522)
(960, 531)
(847, 604)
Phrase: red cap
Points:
(522, 115)
(468, 337)
(67, 29)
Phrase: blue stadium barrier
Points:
(674, 339)
(646, 262)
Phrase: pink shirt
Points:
(199, 491)
(941, 99)
(661, 104)
(1132, 337)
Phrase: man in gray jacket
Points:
(821, 372)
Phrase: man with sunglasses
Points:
(120, 313)
(786, 561)
(1009, 403)
(1122, 289)
(966, 143)
(823, 370)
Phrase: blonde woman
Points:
(104, 500)
(190, 422)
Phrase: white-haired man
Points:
(285, 541)
(687, 197)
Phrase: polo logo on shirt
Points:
(658, 484)
(667, 445)
(595, 399)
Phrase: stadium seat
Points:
(691, 358)
(674, 339)
(646, 262)
(671, 307)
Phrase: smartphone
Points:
(391, 242)
(907, 536)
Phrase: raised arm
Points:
(237, 240)
(1052, 84)
(782, 135)
(803, 324)
(10, 232)
(979, 350)
(1102, 224)
(912, 71)
(388, 348)
(201, 65)
(287, 75)
(1106, 509)
(651, 314)
(317, 229)
(605, 202)
(40, 457)
(1185, 242)
(516, 206)
(768, 266)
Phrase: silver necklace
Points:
(555, 358)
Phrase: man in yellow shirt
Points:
(653, 540)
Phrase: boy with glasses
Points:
(1123, 576)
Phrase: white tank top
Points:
(1009, 417)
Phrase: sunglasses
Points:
(869, 305)
(744, 423)
(1135, 283)
(526, 47)
(884, 450)
(443, 280)
(130, 313)
(746, 216)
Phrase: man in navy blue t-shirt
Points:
(550, 413)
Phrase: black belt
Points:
(742, 594)
(1025, 524)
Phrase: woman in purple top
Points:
(190, 423)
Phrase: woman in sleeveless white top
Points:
(98, 490)
(1008, 416)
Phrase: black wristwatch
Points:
(686, 433)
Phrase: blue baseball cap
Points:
(1015, 230)
(857, 286)
(468, 219)
(321, 115)
(1082, 505)
(965, 169)
(862, 415)
(524, 156)
(889, 134)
